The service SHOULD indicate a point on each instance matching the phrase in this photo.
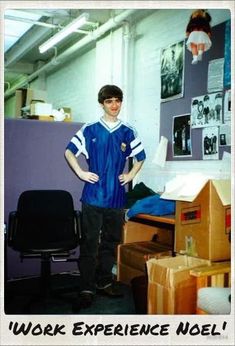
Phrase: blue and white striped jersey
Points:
(106, 150)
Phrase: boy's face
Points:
(112, 107)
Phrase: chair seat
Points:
(214, 300)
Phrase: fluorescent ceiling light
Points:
(73, 26)
(13, 30)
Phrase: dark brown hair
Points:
(109, 91)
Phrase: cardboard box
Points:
(42, 118)
(131, 259)
(203, 226)
(35, 95)
(41, 109)
(126, 273)
(18, 102)
(171, 288)
(203, 216)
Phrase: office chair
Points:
(45, 225)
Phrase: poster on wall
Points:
(206, 110)
(181, 136)
(227, 55)
(172, 71)
(210, 141)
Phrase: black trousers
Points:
(101, 233)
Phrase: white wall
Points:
(9, 107)
(76, 84)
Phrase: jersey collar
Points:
(110, 129)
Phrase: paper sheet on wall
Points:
(215, 80)
(160, 155)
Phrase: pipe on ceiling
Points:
(110, 24)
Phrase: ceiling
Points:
(26, 29)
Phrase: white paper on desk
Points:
(184, 187)
(160, 155)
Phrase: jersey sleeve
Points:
(137, 149)
(77, 144)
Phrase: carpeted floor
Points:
(19, 295)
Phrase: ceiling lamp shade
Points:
(59, 36)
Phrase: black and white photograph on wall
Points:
(172, 71)
(206, 110)
(210, 143)
(181, 137)
(225, 135)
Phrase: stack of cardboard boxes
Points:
(141, 242)
(202, 238)
(32, 102)
(25, 97)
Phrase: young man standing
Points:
(106, 144)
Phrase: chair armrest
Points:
(12, 222)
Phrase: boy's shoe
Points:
(111, 290)
(84, 301)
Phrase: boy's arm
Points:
(125, 178)
(74, 165)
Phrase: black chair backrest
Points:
(45, 221)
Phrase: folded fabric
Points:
(139, 191)
(152, 205)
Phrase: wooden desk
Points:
(166, 225)
(166, 219)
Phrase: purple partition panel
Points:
(34, 159)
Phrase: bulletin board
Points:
(196, 86)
